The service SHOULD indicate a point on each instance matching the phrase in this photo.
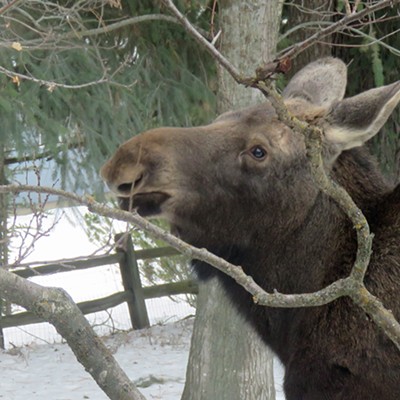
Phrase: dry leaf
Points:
(17, 46)
(51, 87)
(16, 80)
(115, 3)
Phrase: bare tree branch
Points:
(126, 22)
(48, 155)
(349, 286)
(9, 6)
(51, 85)
(49, 38)
(54, 305)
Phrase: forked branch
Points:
(344, 287)
(353, 286)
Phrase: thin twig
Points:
(347, 7)
(51, 85)
(9, 6)
(84, 33)
(212, 23)
(121, 24)
(48, 155)
(204, 42)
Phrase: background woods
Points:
(78, 78)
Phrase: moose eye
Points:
(258, 152)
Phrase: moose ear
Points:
(321, 83)
(354, 120)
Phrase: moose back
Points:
(242, 188)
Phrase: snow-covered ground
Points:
(155, 359)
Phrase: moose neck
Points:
(281, 254)
(307, 259)
(303, 259)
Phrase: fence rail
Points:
(134, 294)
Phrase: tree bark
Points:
(4, 306)
(249, 36)
(228, 360)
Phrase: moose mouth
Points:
(146, 204)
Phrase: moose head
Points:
(210, 179)
(242, 187)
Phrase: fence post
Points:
(131, 281)
(2, 341)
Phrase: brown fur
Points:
(268, 216)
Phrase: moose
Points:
(242, 187)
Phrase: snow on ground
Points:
(155, 359)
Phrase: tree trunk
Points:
(4, 305)
(249, 37)
(228, 360)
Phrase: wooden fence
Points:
(134, 293)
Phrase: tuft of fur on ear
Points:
(355, 120)
(321, 83)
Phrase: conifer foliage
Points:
(79, 77)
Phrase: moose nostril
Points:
(128, 186)
(125, 187)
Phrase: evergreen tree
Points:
(89, 75)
